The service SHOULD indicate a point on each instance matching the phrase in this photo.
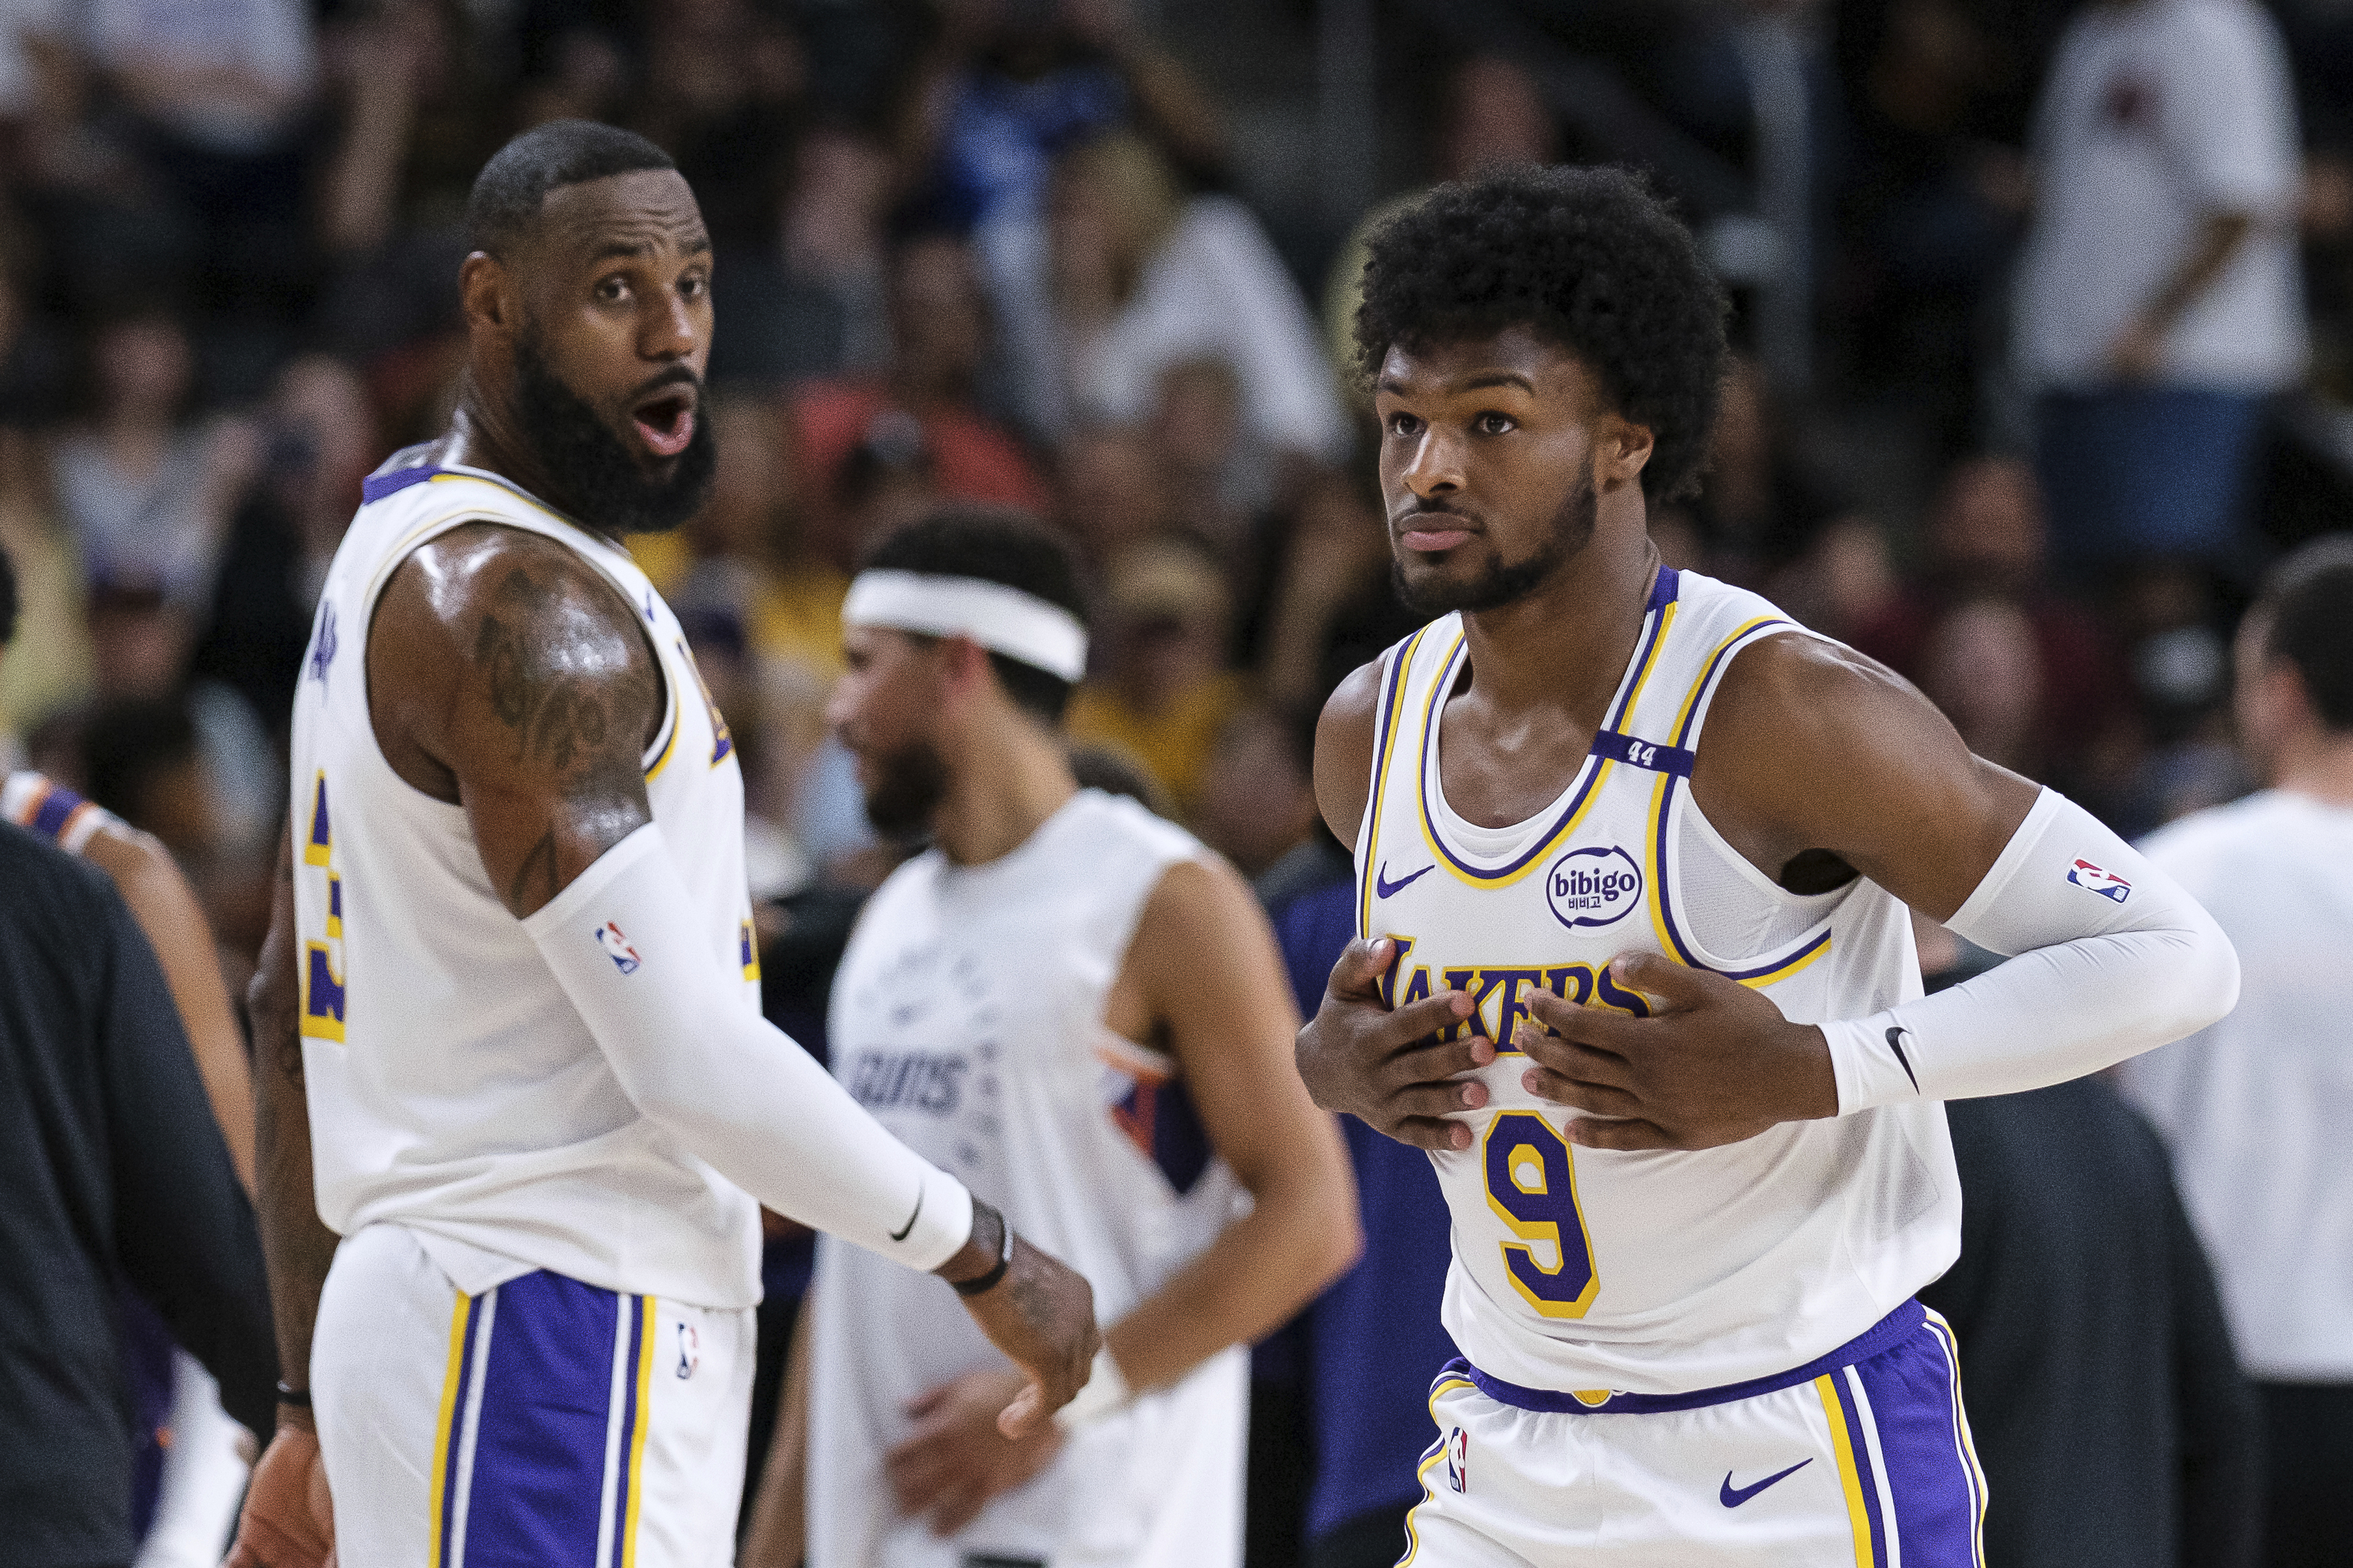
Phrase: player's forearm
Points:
(623, 941)
(1255, 1276)
(2113, 958)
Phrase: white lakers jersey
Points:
(452, 1087)
(967, 1016)
(1652, 1272)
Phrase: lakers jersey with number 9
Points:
(1656, 1272)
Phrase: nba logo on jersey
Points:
(1458, 1460)
(2107, 885)
(616, 947)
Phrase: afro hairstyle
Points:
(1593, 262)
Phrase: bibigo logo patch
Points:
(1593, 886)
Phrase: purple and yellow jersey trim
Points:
(41, 805)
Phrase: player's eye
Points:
(1407, 424)
(612, 291)
(1494, 424)
(695, 285)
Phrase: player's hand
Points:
(955, 1459)
(2139, 352)
(1387, 1068)
(1713, 1064)
(288, 1520)
(1043, 1316)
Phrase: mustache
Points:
(676, 375)
(1440, 507)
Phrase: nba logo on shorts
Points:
(690, 1349)
(616, 947)
(1458, 1460)
(2107, 885)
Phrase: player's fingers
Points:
(1356, 973)
(1436, 1100)
(1023, 1415)
(1588, 1133)
(1598, 1026)
(1562, 1090)
(1430, 1133)
(1678, 986)
(924, 1404)
(1422, 1059)
(1576, 1059)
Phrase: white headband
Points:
(1000, 618)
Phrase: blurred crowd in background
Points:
(2039, 364)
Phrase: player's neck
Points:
(2317, 765)
(1565, 646)
(1010, 778)
(482, 435)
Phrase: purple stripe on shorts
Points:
(1865, 1475)
(630, 1415)
(539, 1447)
(1915, 1392)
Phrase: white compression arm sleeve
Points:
(632, 954)
(2112, 959)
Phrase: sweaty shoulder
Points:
(1344, 751)
(491, 623)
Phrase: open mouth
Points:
(665, 420)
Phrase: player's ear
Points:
(486, 293)
(1620, 450)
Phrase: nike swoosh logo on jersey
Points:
(1383, 887)
(1732, 1497)
(1895, 1043)
(902, 1232)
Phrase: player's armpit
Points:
(506, 675)
(1344, 751)
(1813, 749)
(1205, 964)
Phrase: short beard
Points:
(909, 785)
(604, 485)
(1506, 582)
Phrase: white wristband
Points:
(1106, 1393)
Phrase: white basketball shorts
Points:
(542, 1422)
(1860, 1459)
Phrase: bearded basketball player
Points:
(1634, 852)
(514, 1057)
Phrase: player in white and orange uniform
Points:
(1635, 965)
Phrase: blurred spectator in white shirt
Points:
(2159, 296)
(1146, 279)
(2255, 1107)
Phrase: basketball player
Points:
(511, 965)
(1069, 1000)
(1632, 853)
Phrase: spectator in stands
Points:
(1113, 492)
(319, 440)
(2158, 301)
(112, 1175)
(940, 344)
(1985, 545)
(144, 491)
(50, 668)
(1145, 278)
(2109, 1415)
(2254, 1108)
(1258, 801)
(1161, 691)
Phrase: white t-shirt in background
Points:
(2258, 1108)
(2157, 115)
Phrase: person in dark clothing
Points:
(113, 1174)
(2109, 1408)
